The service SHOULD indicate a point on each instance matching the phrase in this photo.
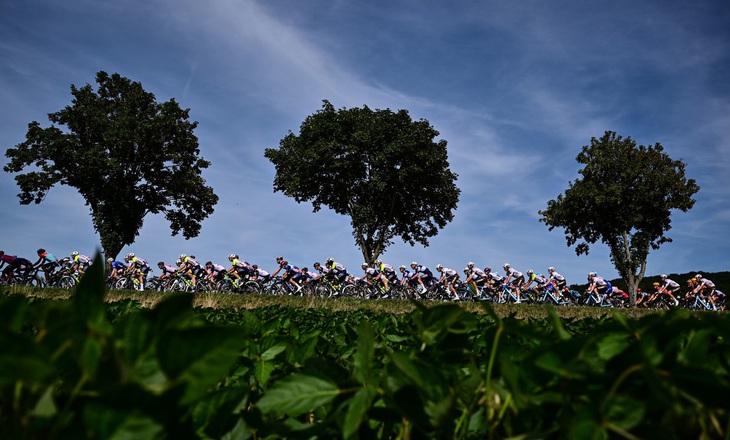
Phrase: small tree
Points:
(380, 168)
(126, 154)
(624, 199)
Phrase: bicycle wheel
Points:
(33, 281)
(250, 287)
(350, 291)
(66, 282)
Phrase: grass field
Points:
(238, 301)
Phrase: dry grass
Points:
(223, 300)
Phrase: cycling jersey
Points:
(371, 272)
(556, 276)
(167, 269)
(7, 258)
(82, 259)
(140, 264)
(477, 274)
(449, 273)
(514, 273)
(670, 284)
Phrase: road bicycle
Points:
(26, 278)
(547, 295)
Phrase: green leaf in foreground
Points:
(297, 394)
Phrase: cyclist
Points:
(291, 273)
(334, 272)
(138, 268)
(448, 278)
(405, 276)
(47, 262)
(598, 285)
(237, 270)
(514, 278)
(494, 280)
(705, 287)
(531, 278)
(388, 271)
(475, 278)
(167, 272)
(309, 276)
(259, 274)
(372, 274)
(115, 268)
(670, 287)
(15, 265)
(190, 268)
(542, 283)
(559, 281)
(213, 271)
(79, 263)
(421, 275)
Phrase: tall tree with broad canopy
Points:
(380, 168)
(126, 154)
(624, 199)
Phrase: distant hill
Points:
(721, 280)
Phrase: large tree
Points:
(380, 168)
(624, 198)
(127, 155)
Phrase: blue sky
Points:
(516, 89)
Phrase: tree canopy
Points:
(379, 167)
(126, 154)
(624, 198)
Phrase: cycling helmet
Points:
(470, 265)
(694, 280)
(655, 284)
(316, 264)
(698, 276)
(506, 266)
(255, 266)
(439, 267)
(403, 266)
(232, 257)
(178, 262)
(413, 263)
(364, 265)
(110, 260)
(378, 262)
(330, 260)
(487, 269)
(41, 251)
(551, 269)
(663, 275)
(591, 274)
(530, 272)
(466, 270)
(160, 263)
(183, 256)
(130, 255)
(74, 253)
(305, 269)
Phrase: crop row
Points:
(82, 368)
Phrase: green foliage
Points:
(83, 369)
(126, 154)
(624, 199)
(367, 164)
